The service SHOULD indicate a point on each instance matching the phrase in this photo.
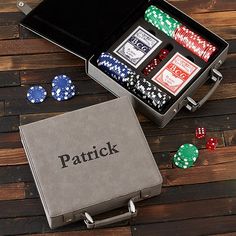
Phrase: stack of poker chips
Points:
(142, 88)
(184, 36)
(155, 62)
(150, 93)
(113, 67)
(62, 88)
(161, 20)
(195, 43)
(186, 156)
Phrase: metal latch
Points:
(192, 105)
(24, 7)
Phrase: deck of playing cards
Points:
(176, 74)
(137, 47)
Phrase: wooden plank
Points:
(219, 156)
(10, 18)
(9, 32)
(219, 18)
(228, 76)
(188, 125)
(119, 231)
(9, 123)
(14, 156)
(9, 79)
(230, 137)
(193, 227)
(199, 174)
(226, 234)
(21, 208)
(10, 140)
(22, 106)
(210, 108)
(222, 92)
(2, 108)
(230, 62)
(33, 224)
(232, 46)
(186, 193)
(27, 46)
(187, 6)
(13, 191)
(84, 87)
(45, 76)
(228, 32)
(180, 211)
(39, 61)
(201, 6)
(173, 142)
(15, 174)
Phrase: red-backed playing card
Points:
(176, 74)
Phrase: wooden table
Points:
(197, 201)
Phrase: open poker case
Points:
(88, 29)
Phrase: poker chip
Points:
(184, 36)
(113, 67)
(61, 82)
(36, 94)
(133, 82)
(194, 43)
(161, 20)
(150, 94)
(182, 164)
(186, 156)
(62, 88)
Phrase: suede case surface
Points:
(68, 182)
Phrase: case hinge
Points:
(24, 7)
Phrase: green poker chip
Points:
(182, 164)
(161, 20)
(188, 152)
(186, 156)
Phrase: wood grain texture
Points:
(14, 156)
(190, 227)
(122, 231)
(26, 62)
(197, 201)
(27, 46)
(13, 191)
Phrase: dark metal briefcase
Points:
(128, 33)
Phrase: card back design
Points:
(176, 74)
(137, 47)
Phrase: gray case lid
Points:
(65, 190)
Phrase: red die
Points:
(211, 143)
(200, 133)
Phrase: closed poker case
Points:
(91, 161)
(88, 29)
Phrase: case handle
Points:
(91, 224)
(192, 105)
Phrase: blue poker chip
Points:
(63, 95)
(36, 94)
(113, 67)
(62, 82)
